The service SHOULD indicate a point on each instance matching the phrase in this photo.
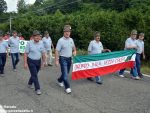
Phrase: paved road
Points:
(116, 95)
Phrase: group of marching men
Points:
(38, 53)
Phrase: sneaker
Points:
(122, 76)
(90, 79)
(30, 86)
(135, 78)
(38, 92)
(61, 84)
(68, 90)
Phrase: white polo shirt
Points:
(140, 46)
(95, 47)
(65, 46)
(130, 42)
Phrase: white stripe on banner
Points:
(100, 63)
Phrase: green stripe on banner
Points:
(96, 57)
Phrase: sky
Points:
(12, 4)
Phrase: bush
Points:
(114, 27)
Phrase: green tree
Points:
(38, 2)
(119, 5)
(3, 6)
(21, 6)
(67, 6)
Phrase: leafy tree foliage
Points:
(3, 6)
(21, 6)
(114, 26)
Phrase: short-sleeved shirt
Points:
(3, 46)
(14, 44)
(140, 46)
(47, 43)
(130, 42)
(95, 47)
(65, 47)
(35, 50)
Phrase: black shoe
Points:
(50, 65)
(90, 79)
(141, 75)
(99, 82)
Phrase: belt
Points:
(33, 59)
(64, 57)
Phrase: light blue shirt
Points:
(14, 44)
(95, 47)
(47, 43)
(130, 42)
(140, 46)
(3, 46)
(35, 50)
(65, 46)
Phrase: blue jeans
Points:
(138, 63)
(2, 62)
(34, 67)
(15, 59)
(133, 71)
(65, 64)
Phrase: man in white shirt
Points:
(96, 47)
(139, 53)
(48, 44)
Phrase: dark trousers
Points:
(65, 64)
(34, 67)
(2, 62)
(138, 63)
(15, 59)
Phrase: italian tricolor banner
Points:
(102, 64)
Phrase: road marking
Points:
(143, 74)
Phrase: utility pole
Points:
(10, 23)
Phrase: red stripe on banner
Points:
(101, 71)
